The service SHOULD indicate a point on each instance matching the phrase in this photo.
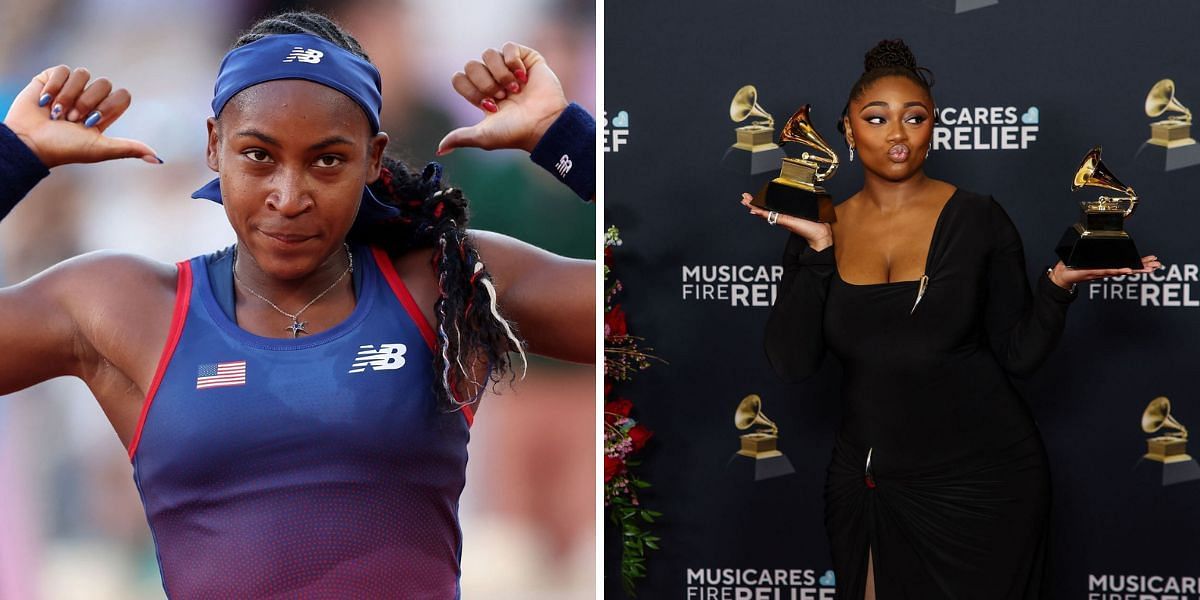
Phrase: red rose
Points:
(607, 388)
(639, 434)
(619, 406)
(614, 322)
(612, 468)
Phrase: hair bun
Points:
(890, 53)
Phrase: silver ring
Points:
(772, 217)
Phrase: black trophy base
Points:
(1169, 473)
(959, 6)
(798, 202)
(746, 468)
(1078, 251)
(747, 162)
(1159, 158)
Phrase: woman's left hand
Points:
(518, 93)
(1065, 278)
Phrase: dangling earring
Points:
(927, 149)
(851, 153)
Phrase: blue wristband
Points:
(20, 170)
(568, 151)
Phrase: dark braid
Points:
(889, 58)
(470, 337)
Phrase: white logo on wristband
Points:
(564, 165)
(304, 55)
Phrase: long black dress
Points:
(955, 500)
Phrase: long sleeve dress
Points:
(938, 466)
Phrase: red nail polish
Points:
(521, 75)
(489, 105)
(514, 87)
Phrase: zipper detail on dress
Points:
(920, 292)
(867, 475)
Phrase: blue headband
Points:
(308, 57)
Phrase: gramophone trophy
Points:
(759, 451)
(797, 190)
(1171, 145)
(1169, 449)
(754, 152)
(1098, 240)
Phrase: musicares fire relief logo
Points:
(759, 584)
(985, 128)
(615, 131)
(1174, 286)
(1142, 587)
(737, 285)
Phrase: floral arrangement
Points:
(623, 436)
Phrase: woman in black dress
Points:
(938, 486)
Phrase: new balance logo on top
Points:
(564, 165)
(304, 55)
(388, 357)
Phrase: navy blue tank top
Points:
(313, 467)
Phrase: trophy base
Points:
(814, 205)
(1168, 158)
(1167, 449)
(1170, 473)
(1171, 134)
(959, 6)
(743, 467)
(752, 162)
(1083, 249)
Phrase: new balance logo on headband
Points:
(564, 165)
(302, 54)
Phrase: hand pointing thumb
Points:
(463, 137)
(109, 148)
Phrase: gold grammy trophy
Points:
(753, 152)
(1099, 240)
(759, 447)
(1169, 449)
(1171, 145)
(797, 191)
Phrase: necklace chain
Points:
(297, 326)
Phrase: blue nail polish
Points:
(44, 100)
(56, 112)
(92, 118)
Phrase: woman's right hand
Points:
(62, 119)
(819, 235)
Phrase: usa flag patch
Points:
(221, 374)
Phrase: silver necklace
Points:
(297, 326)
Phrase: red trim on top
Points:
(393, 278)
(414, 312)
(183, 296)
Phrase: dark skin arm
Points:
(102, 317)
(550, 299)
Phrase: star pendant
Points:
(297, 327)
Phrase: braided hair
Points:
(472, 336)
(889, 58)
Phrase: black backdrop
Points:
(671, 71)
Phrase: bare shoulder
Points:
(846, 210)
(118, 277)
(491, 244)
(942, 190)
